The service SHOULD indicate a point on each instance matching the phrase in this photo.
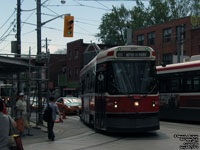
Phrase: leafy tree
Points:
(139, 16)
(178, 8)
(195, 7)
(158, 11)
(113, 26)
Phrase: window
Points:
(140, 39)
(76, 54)
(76, 72)
(167, 35)
(70, 55)
(180, 30)
(70, 73)
(151, 38)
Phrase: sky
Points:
(87, 18)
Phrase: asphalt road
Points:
(72, 134)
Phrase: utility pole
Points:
(129, 37)
(18, 41)
(180, 38)
(18, 28)
(47, 70)
(39, 121)
(39, 56)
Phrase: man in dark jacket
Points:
(50, 123)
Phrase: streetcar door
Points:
(100, 96)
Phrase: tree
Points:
(139, 16)
(195, 7)
(113, 26)
(178, 8)
(158, 12)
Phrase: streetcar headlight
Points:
(153, 103)
(136, 103)
(115, 104)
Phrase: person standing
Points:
(21, 113)
(50, 123)
(5, 139)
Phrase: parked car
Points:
(71, 105)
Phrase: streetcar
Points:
(179, 88)
(119, 90)
(5, 92)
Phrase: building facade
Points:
(172, 40)
(78, 55)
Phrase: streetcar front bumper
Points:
(134, 122)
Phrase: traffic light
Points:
(68, 26)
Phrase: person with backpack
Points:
(50, 111)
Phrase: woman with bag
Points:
(5, 123)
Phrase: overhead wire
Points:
(102, 4)
(8, 19)
(11, 29)
(90, 6)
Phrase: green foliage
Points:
(139, 16)
(114, 24)
(195, 7)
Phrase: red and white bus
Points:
(119, 90)
(179, 88)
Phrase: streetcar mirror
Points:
(163, 64)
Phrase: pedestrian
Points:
(21, 113)
(50, 123)
(5, 124)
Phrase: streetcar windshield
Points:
(131, 77)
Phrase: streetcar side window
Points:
(179, 82)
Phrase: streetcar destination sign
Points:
(133, 54)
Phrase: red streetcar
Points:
(179, 88)
(119, 90)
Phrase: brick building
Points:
(78, 54)
(165, 39)
(57, 72)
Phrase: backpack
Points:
(47, 116)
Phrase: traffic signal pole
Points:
(39, 56)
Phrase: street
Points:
(72, 134)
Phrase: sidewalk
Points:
(71, 126)
(40, 133)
